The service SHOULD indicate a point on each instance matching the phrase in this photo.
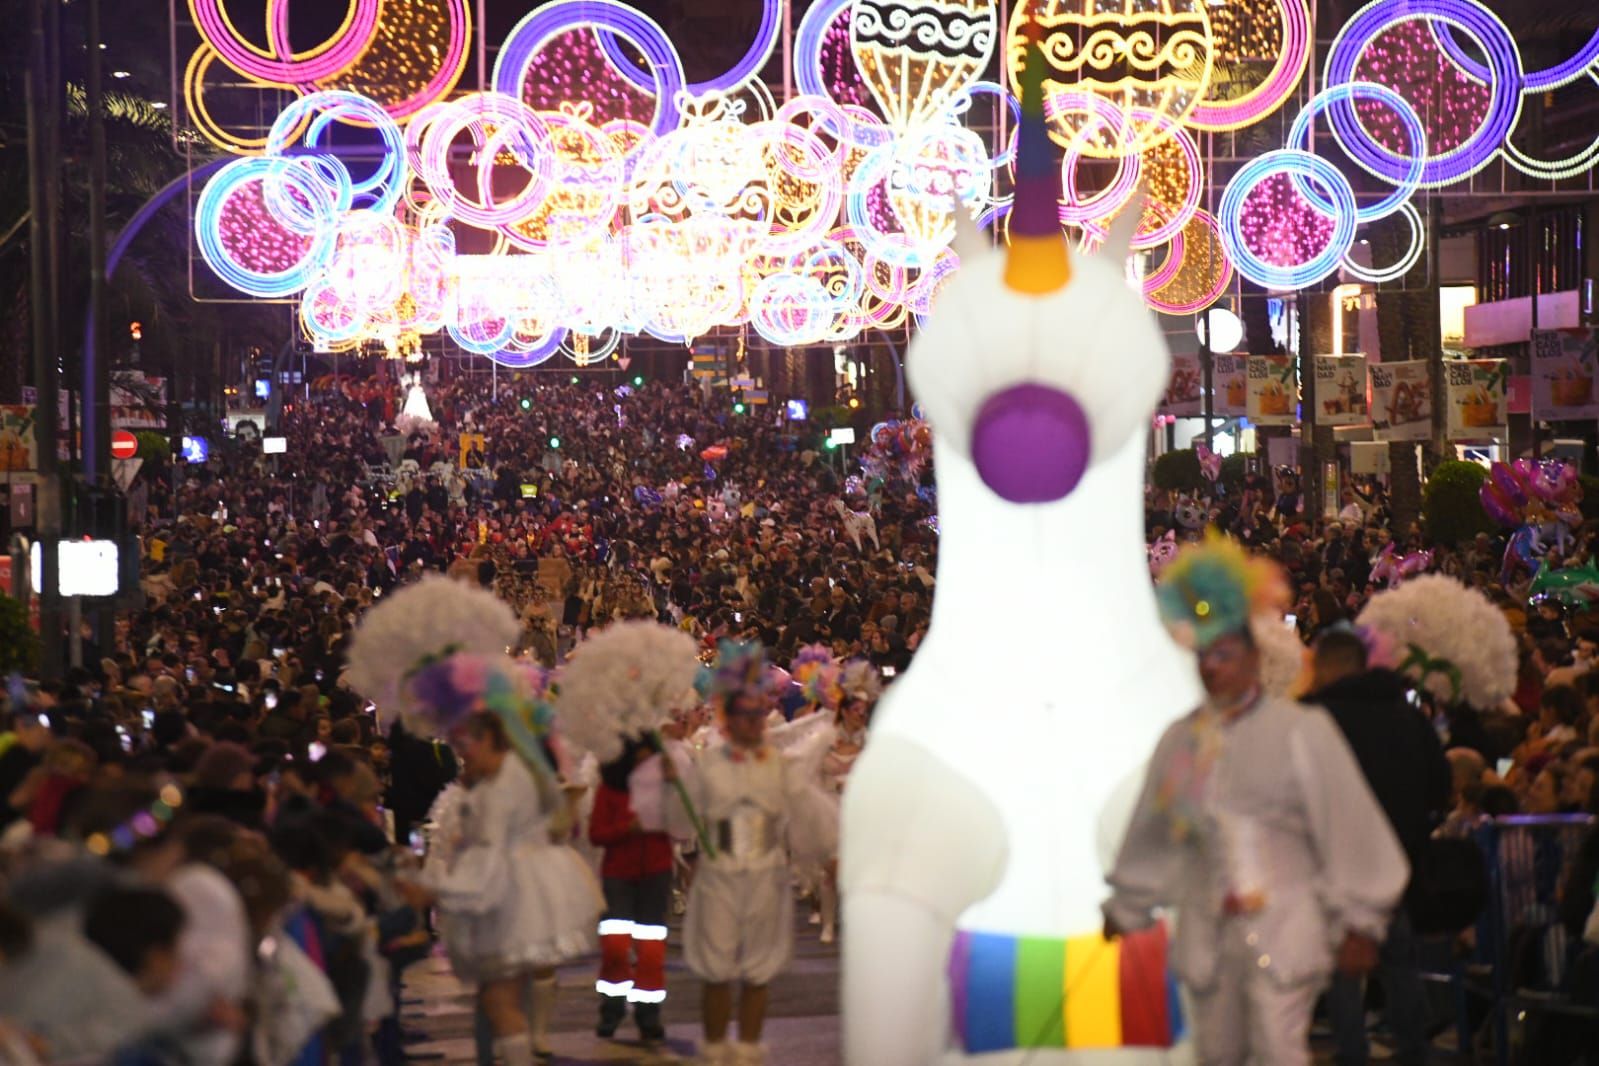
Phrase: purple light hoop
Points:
(1504, 108)
(760, 51)
(540, 27)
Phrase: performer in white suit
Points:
(752, 800)
(1257, 825)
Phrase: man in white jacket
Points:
(1257, 826)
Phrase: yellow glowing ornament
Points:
(1152, 59)
(914, 55)
(406, 61)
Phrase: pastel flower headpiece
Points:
(1211, 590)
(740, 668)
(818, 674)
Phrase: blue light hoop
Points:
(325, 108)
(1418, 243)
(208, 216)
(1504, 108)
(963, 100)
(1300, 132)
(1229, 216)
(516, 359)
(539, 27)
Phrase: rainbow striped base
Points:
(1082, 992)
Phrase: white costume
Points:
(511, 901)
(740, 923)
(1265, 837)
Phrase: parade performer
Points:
(637, 876)
(979, 820)
(1256, 824)
(513, 903)
(620, 688)
(859, 686)
(740, 923)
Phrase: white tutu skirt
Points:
(547, 916)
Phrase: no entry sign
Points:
(124, 445)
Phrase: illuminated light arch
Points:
(1319, 265)
(414, 59)
(327, 60)
(541, 26)
(1168, 45)
(915, 54)
(748, 67)
(1505, 99)
(194, 92)
(1293, 57)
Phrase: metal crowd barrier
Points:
(1518, 967)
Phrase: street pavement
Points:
(801, 1027)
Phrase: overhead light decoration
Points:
(587, 196)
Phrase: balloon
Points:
(1512, 481)
(714, 453)
(1391, 568)
(1162, 552)
(1521, 555)
(1576, 587)
(1497, 505)
(1209, 462)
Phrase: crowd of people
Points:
(204, 814)
(209, 768)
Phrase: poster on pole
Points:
(1564, 365)
(1229, 375)
(1185, 389)
(1477, 398)
(1341, 390)
(1273, 390)
(18, 448)
(1401, 400)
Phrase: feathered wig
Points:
(1213, 589)
(1448, 639)
(818, 675)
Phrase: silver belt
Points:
(749, 833)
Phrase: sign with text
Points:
(1341, 390)
(1564, 365)
(17, 446)
(1229, 377)
(1273, 390)
(1401, 400)
(1476, 394)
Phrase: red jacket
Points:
(630, 853)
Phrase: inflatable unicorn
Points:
(1002, 766)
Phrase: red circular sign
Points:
(124, 445)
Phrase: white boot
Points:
(717, 1054)
(829, 899)
(748, 1055)
(544, 989)
(514, 1050)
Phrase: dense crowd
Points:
(204, 809)
(212, 749)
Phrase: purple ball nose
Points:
(1031, 443)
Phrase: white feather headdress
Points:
(1448, 638)
(419, 623)
(624, 682)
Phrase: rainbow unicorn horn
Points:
(1037, 262)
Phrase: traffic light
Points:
(854, 402)
(574, 379)
(638, 379)
(527, 404)
(555, 442)
(738, 408)
(830, 444)
(136, 331)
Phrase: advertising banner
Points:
(1477, 398)
(1401, 400)
(1273, 390)
(1341, 390)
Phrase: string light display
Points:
(594, 193)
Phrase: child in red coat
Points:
(637, 877)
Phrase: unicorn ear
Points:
(1119, 241)
(969, 242)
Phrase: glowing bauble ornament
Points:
(1154, 55)
(914, 55)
